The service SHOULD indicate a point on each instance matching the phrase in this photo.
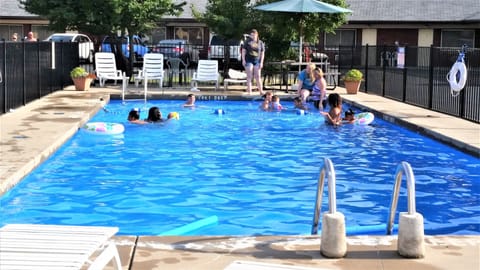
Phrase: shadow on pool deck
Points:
(30, 134)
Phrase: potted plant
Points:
(81, 78)
(353, 78)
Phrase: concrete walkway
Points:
(30, 134)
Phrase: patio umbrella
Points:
(302, 7)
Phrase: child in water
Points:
(334, 116)
(349, 117)
(298, 104)
(190, 101)
(276, 103)
(134, 117)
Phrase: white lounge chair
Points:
(234, 76)
(152, 70)
(28, 246)
(106, 69)
(207, 71)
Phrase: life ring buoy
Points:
(364, 118)
(105, 128)
(457, 77)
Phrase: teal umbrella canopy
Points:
(302, 6)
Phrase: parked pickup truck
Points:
(139, 48)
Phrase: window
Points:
(194, 35)
(41, 32)
(158, 34)
(6, 31)
(340, 38)
(457, 38)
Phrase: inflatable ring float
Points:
(457, 77)
(364, 118)
(105, 128)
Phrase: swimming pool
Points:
(255, 171)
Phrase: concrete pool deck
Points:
(28, 135)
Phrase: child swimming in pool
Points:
(276, 106)
(134, 117)
(267, 101)
(298, 104)
(190, 101)
(334, 116)
(349, 117)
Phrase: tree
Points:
(103, 17)
(231, 18)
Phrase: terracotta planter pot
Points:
(82, 84)
(352, 86)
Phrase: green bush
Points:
(353, 75)
(78, 72)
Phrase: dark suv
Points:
(139, 48)
(177, 48)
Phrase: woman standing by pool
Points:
(253, 54)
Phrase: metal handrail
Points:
(329, 171)
(403, 168)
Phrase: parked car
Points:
(217, 46)
(177, 48)
(139, 48)
(85, 44)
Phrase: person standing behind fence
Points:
(14, 37)
(30, 37)
(253, 54)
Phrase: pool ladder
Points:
(410, 225)
(334, 237)
(410, 229)
(329, 172)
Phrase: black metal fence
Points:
(31, 70)
(417, 76)
(414, 75)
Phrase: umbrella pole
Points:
(300, 45)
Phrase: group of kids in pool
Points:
(270, 103)
(312, 86)
(333, 116)
(155, 115)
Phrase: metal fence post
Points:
(366, 68)
(430, 79)
(404, 73)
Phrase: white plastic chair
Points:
(234, 76)
(30, 246)
(207, 71)
(106, 69)
(152, 70)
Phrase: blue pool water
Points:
(254, 172)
